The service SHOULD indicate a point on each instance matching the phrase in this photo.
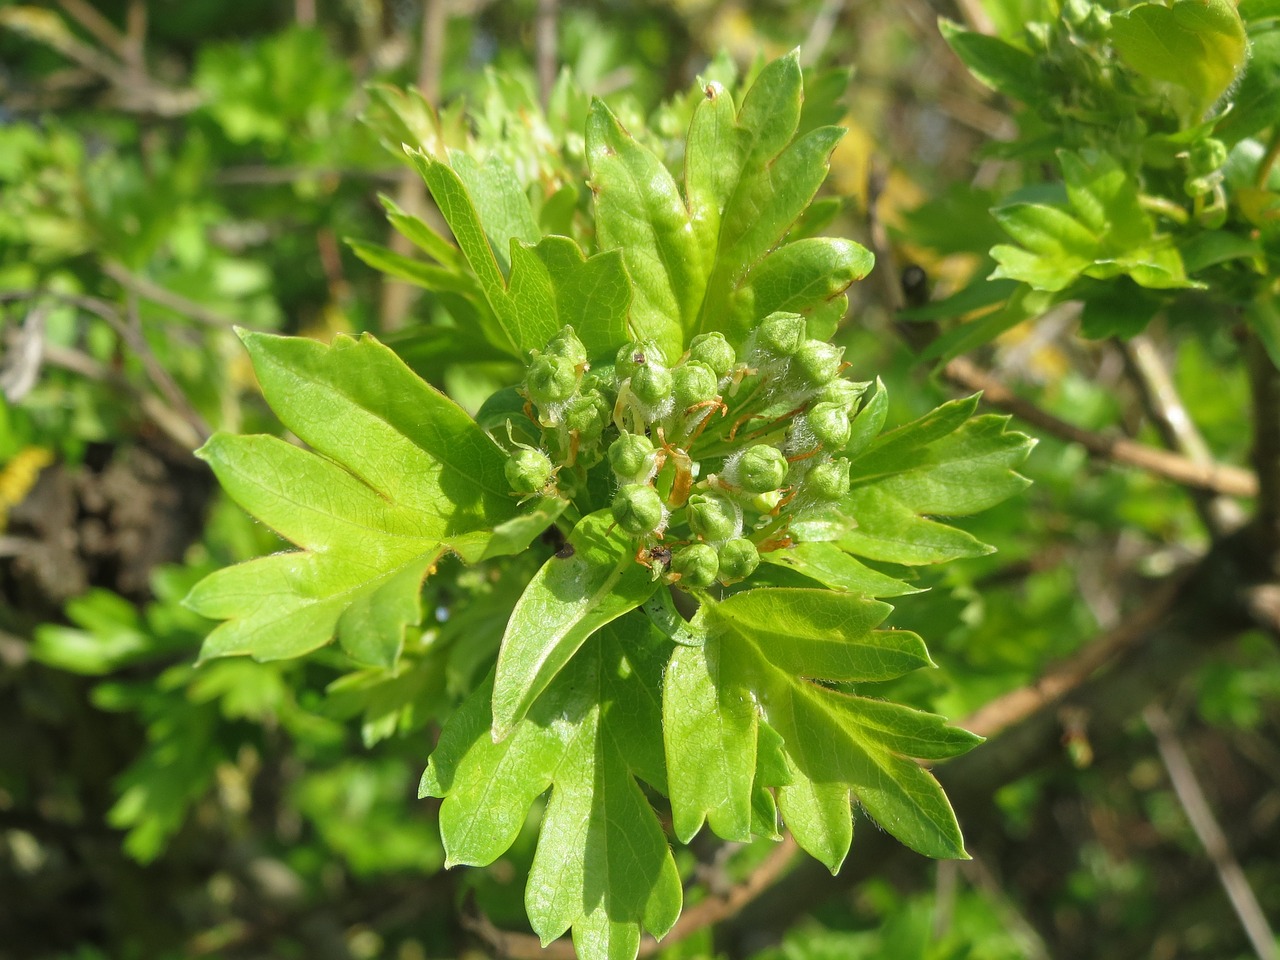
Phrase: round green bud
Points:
(697, 565)
(637, 508)
(528, 470)
(780, 333)
(588, 413)
(713, 518)
(713, 350)
(652, 384)
(738, 560)
(762, 468)
(817, 362)
(694, 383)
(828, 481)
(551, 380)
(566, 345)
(830, 425)
(632, 458)
(842, 391)
(636, 355)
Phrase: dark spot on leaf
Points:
(565, 552)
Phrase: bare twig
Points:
(1015, 922)
(102, 29)
(1056, 683)
(20, 366)
(819, 35)
(1216, 478)
(705, 913)
(175, 427)
(304, 12)
(1165, 408)
(267, 176)
(1210, 834)
(544, 43)
(148, 290)
(130, 330)
(1264, 380)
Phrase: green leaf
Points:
(1198, 45)
(1056, 247)
(568, 600)
(996, 63)
(1105, 198)
(417, 272)
(943, 463)
(1256, 102)
(832, 567)
(402, 475)
(501, 206)
(602, 866)
(640, 211)
(762, 646)
(592, 295)
(799, 277)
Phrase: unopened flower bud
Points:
(762, 468)
(551, 380)
(636, 355)
(829, 423)
(632, 457)
(652, 384)
(697, 565)
(566, 345)
(637, 508)
(694, 383)
(713, 518)
(780, 333)
(738, 560)
(528, 470)
(828, 481)
(844, 392)
(713, 350)
(817, 362)
(587, 413)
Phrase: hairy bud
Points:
(713, 517)
(567, 346)
(632, 458)
(817, 362)
(528, 470)
(587, 413)
(829, 423)
(762, 468)
(828, 481)
(551, 380)
(637, 509)
(636, 355)
(738, 560)
(652, 384)
(713, 350)
(780, 333)
(694, 383)
(697, 565)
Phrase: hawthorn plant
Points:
(693, 488)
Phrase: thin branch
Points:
(304, 12)
(1058, 682)
(148, 290)
(1210, 834)
(1015, 922)
(153, 408)
(1216, 478)
(544, 45)
(1264, 381)
(705, 913)
(819, 35)
(264, 175)
(102, 29)
(1164, 406)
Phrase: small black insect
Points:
(565, 551)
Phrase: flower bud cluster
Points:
(704, 459)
